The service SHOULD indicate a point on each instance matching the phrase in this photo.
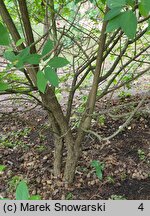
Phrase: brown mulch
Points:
(26, 149)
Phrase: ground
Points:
(26, 149)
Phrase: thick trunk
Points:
(62, 131)
(70, 167)
(58, 154)
(73, 155)
(58, 145)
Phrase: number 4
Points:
(141, 207)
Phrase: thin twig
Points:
(121, 128)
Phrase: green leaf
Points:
(69, 196)
(10, 56)
(47, 48)
(51, 76)
(24, 53)
(20, 41)
(77, 1)
(116, 3)
(9, 49)
(58, 62)
(4, 36)
(4, 199)
(21, 57)
(3, 86)
(113, 24)
(95, 163)
(99, 167)
(32, 59)
(22, 192)
(144, 7)
(66, 11)
(35, 197)
(19, 63)
(2, 168)
(112, 13)
(131, 2)
(103, 1)
(99, 173)
(128, 23)
(41, 81)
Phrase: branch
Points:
(126, 123)
(10, 24)
(18, 111)
(121, 54)
(27, 24)
(106, 91)
(90, 105)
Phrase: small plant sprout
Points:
(123, 176)
(2, 168)
(99, 167)
(117, 197)
(110, 179)
(15, 138)
(141, 154)
(101, 120)
(69, 196)
(22, 192)
(41, 148)
(124, 95)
